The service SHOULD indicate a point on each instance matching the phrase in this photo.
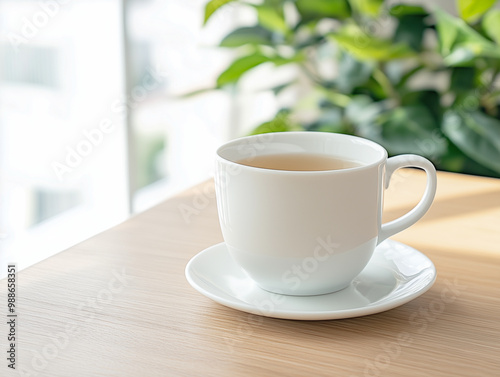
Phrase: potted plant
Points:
(412, 79)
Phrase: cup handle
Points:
(409, 160)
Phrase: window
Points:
(62, 178)
(93, 121)
(173, 137)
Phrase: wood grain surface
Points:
(118, 304)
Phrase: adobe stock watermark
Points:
(298, 273)
(31, 27)
(292, 278)
(88, 310)
(201, 199)
(94, 137)
(419, 322)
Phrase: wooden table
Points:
(118, 304)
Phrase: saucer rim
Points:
(315, 315)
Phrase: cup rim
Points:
(358, 139)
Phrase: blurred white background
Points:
(92, 123)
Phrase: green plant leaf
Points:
(330, 120)
(241, 65)
(404, 129)
(476, 134)
(467, 101)
(333, 97)
(401, 10)
(282, 122)
(311, 41)
(256, 35)
(410, 129)
(408, 75)
(318, 9)
(271, 19)
(491, 24)
(373, 89)
(361, 112)
(459, 43)
(471, 10)
(447, 31)
(462, 79)
(464, 54)
(212, 6)
(352, 73)
(453, 160)
(473, 167)
(460, 56)
(430, 99)
(367, 7)
(365, 47)
(410, 31)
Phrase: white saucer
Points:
(395, 275)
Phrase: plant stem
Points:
(339, 99)
(385, 83)
(408, 75)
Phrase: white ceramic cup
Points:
(309, 232)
